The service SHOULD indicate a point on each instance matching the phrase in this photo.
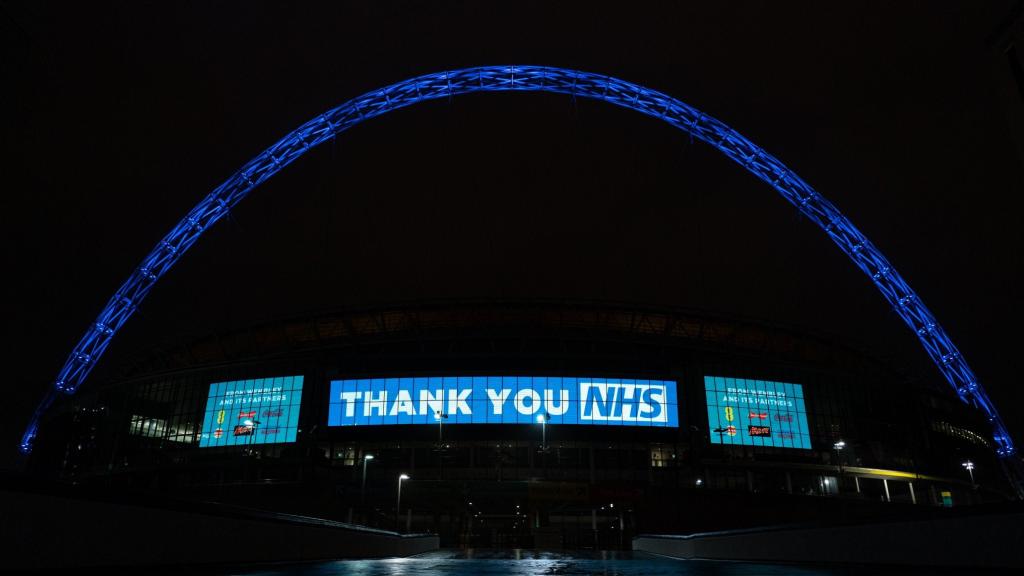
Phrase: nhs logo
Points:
(628, 403)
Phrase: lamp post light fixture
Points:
(969, 466)
(362, 494)
(398, 503)
(543, 420)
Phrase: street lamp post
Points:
(838, 447)
(969, 466)
(721, 434)
(398, 503)
(253, 426)
(362, 494)
(543, 420)
(440, 417)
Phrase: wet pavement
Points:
(537, 562)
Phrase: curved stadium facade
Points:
(527, 423)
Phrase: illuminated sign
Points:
(244, 412)
(756, 413)
(947, 499)
(503, 400)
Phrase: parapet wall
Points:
(983, 541)
(42, 531)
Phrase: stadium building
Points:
(519, 423)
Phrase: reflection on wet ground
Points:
(539, 562)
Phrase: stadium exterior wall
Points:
(904, 440)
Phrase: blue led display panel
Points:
(244, 412)
(756, 413)
(503, 400)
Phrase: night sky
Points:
(118, 118)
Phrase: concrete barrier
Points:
(43, 531)
(988, 541)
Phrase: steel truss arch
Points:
(809, 202)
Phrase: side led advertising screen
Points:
(756, 413)
(503, 400)
(245, 412)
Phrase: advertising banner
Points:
(503, 400)
(244, 412)
(756, 413)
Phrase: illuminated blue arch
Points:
(526, 79)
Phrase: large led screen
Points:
(243, 412)
(756, 413)
(503, 400)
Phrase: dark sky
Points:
(117, 118)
